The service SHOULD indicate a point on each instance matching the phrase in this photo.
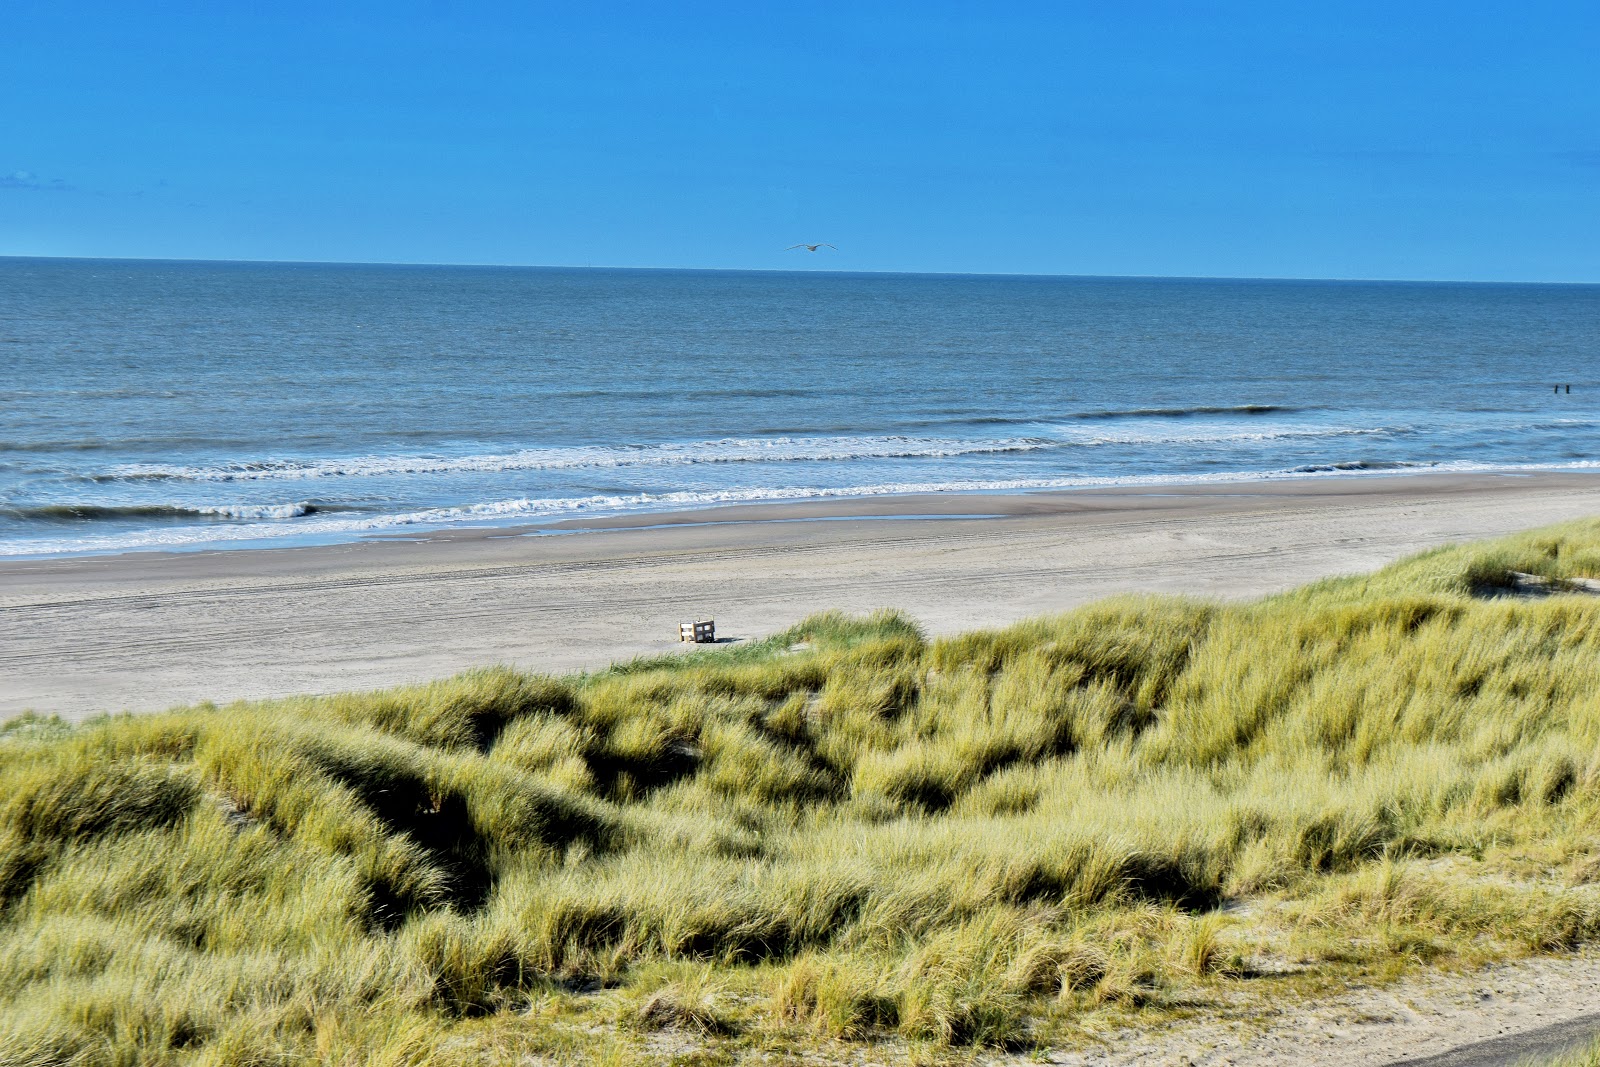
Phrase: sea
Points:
(184, 405)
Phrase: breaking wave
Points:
(726, 450)
(730, 450)
(1221, 435)
(317, 523)
(1358, 465)
(104, 512)
(1180, 413)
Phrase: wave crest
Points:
(1181, 413)
(726, 450)
(529, 510)
(112, 512)
(1358, 465)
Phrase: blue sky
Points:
(1273, 139)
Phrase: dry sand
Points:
(1502, 1014)
(149, 630)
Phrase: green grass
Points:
(845, 838)
(1582, 1057)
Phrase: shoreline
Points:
(849, 503)
(148, 630)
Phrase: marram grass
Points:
(1586, 1056)
(847, 837)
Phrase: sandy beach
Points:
(148, 631)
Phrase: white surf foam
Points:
(129, 512)
(527, 510)
(257, 511)
(1080, 435)
(726, 450)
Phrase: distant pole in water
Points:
(1569, 388)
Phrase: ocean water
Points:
(163, 405)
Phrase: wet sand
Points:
(146, 631)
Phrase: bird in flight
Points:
(812, 248)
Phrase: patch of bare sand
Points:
(1419, 1017)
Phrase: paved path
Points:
(1533, 1046)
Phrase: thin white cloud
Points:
(26, 179)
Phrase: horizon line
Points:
(783, 270)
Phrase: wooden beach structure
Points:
(699, 633)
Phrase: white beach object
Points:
(699, 633)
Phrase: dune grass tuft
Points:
(1585, 1056)
(845, 833)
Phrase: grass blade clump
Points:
(845, 832)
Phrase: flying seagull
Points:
(812, 248)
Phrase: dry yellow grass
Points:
(847, 833)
